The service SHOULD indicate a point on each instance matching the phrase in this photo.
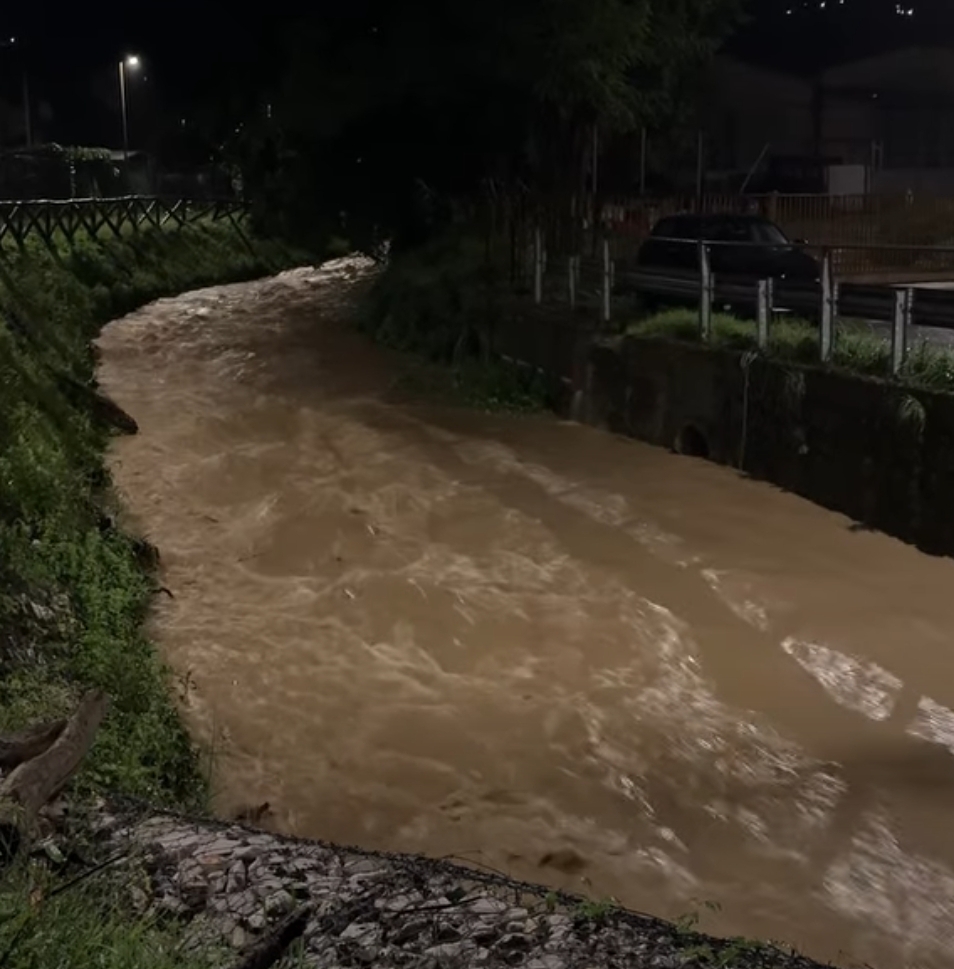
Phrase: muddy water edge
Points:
(531, 645)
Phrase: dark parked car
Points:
(761, 249)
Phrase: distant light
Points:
(132, 61)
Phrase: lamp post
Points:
(129, 63)
(12, 42)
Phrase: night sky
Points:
(189, 51)
(192, 50)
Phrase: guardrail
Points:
(823, 300)
(68, 218)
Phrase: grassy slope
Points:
(72, 593)
(928, 366)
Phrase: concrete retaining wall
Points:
(881, 454)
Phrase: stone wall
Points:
(877, 452)
(229, 886)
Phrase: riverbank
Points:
(200, 893)
(76, 588)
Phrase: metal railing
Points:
(53, 219)
(874, 234)
(600, 283)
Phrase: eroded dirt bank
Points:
(530, 645)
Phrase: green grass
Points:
(57, 916)
(927, 366)
(46, 923)
(73, 596)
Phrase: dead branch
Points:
(270, 948)
(34, 782)
(98, 404)
(27, 744)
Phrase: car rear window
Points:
(731, 230)
(677, 227)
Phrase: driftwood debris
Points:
(19, 747)
(36, 781)
(270, 948)
(99, 405)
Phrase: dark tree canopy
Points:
(383, 101)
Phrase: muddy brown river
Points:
(531, 645)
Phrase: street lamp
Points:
(128, 63)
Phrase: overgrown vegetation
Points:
(48, 920)
(855, 350)
(73, 591)
(441, 302)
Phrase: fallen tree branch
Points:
(27, 744)
(34, 782)
(98, 404)
(269, 949)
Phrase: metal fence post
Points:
(705, 292)
(828, 300)
(572, 282)
(903, 306)
(764, 312)
(537, 266)
(607, 281)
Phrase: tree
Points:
(383, 99)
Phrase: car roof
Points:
(715, 217)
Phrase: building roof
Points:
(911, 70)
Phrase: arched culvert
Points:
(691, 442)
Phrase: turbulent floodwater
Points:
(532, 645)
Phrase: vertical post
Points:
(122, 100)
(827, 336)
(572, 282)
(642, 161)
(596, 158)
(607, 281)
(903, 306)
(705, 292)
(700, 165)
(537, 266)
(764, 312)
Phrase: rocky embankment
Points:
(231, 884)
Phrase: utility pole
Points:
(131, 62)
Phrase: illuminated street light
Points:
(129, 63)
